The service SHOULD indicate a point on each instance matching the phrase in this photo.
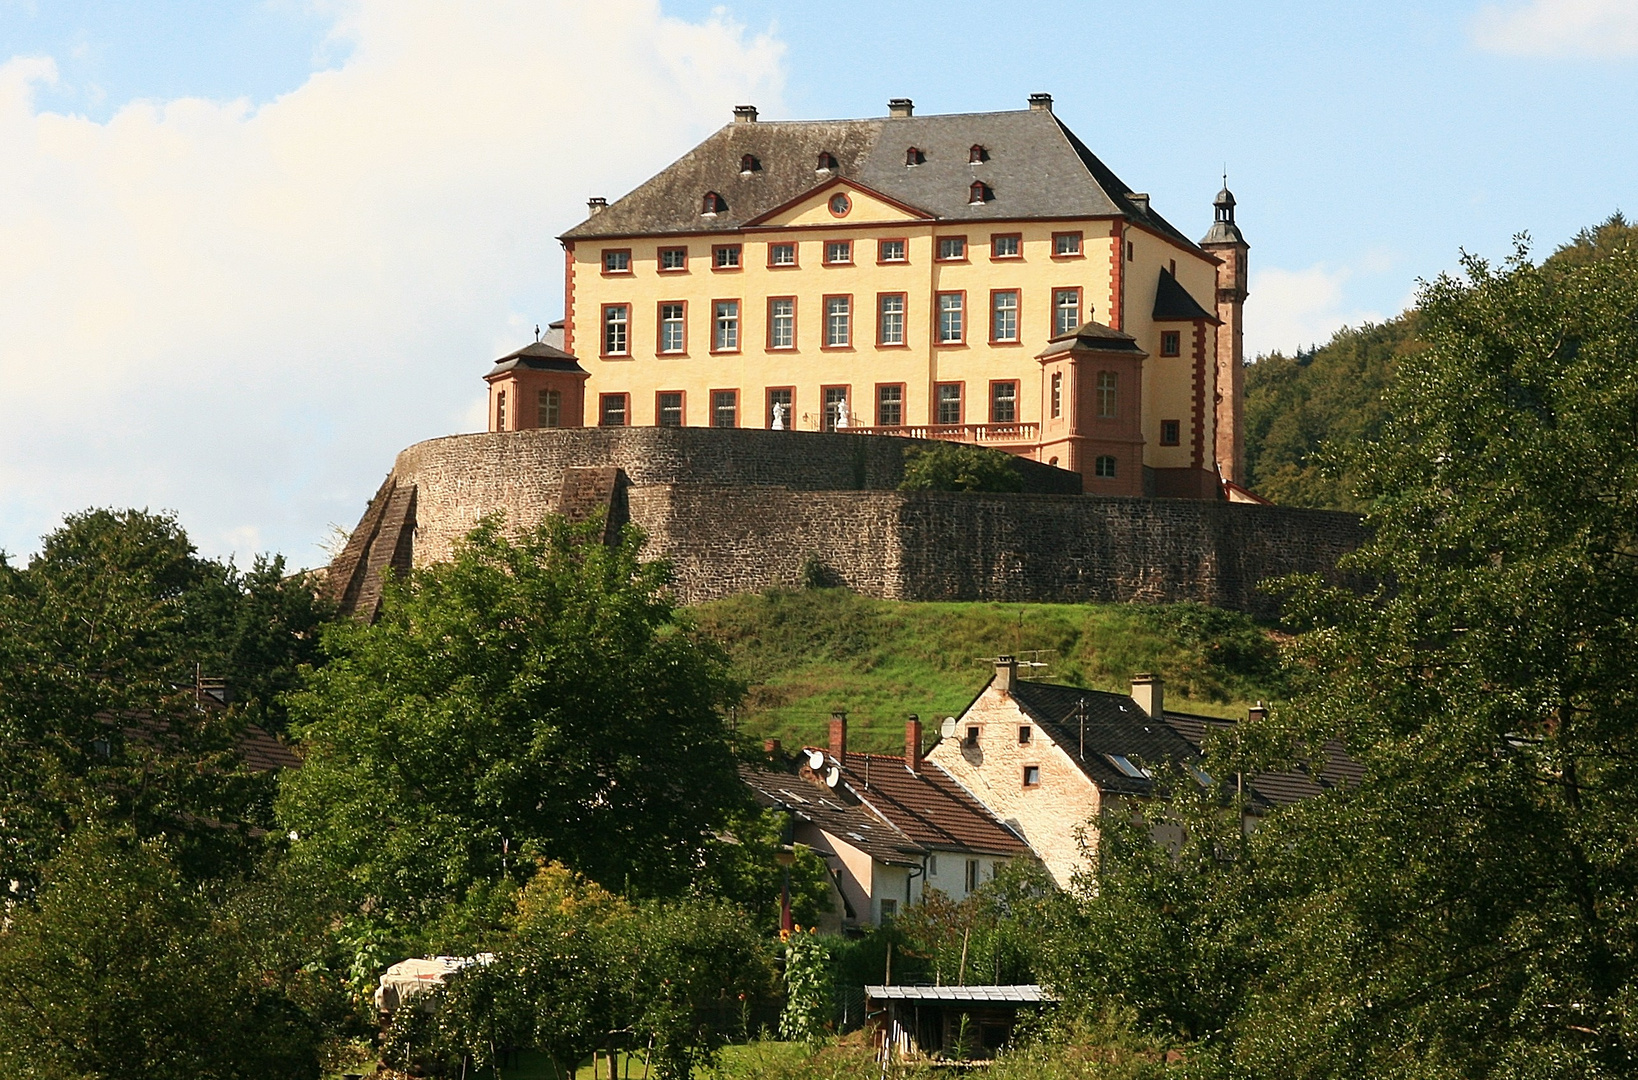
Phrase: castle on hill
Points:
(981, 278)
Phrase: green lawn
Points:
(805, 653)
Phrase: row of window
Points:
(838, 321)
(783, 254)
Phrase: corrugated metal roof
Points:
(1026, 994)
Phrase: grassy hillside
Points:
(805, 653)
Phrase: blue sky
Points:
(291, 232)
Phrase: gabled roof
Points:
(848, 822)
(1173, 302)
(1035, 167)
(537, 356)
(1281, 788)
(1114, 727)
(928, 806)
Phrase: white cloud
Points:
(1559, 28)
(242, 313)
(1291, 309)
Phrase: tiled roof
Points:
(848, 822)
(928, 806)
(537, 356)
(260, 750)
(1279, 788)
(1034, 167)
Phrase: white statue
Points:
(841, 415)
(779, 411)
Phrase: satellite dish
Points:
(948, 728)
(816, 760)
(833, 775)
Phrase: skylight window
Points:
(1136, 772)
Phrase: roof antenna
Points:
(537, 333)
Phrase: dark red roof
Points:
(928, 806)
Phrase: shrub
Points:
(959, 467)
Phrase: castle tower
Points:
(1225, 242)
(539, 386)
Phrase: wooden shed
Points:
(947, 1023)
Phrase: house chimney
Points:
(772, 749)
(596, 205)
(912, 743)
(744, 114)
(1040, 102)
(1006, 673)
(900, 107)
(838, 737)
(1149, 692)
(1140, 198)
(1256, 713)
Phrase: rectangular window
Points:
(890, 910)
(951, 324)
(611, 410)
(1105, 467)
(890, 405)
(1169, 432)
(781, 400)
(972, 875)
(725, 257)
(1131, 251)
(668, 409)
(1066, 311)
(1171, 343)
(1004, 315)
(1024, 734)
(1107, 402)
(1057, 394)
(890, 251)
(1066, 245)
(952, 248)
(725, 323)
(1032, 775)
(673, 327)
(617, 261)
(838, 252)
(949, 403)
(890, 319)
(838, 322)
(549, 408)
(616, 323)
(500, 410)
(1006, 246)
(1003, 402)
(674, 258)
(837, 414)
(781, 254)
(782, 322)
(725, 408)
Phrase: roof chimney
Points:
(1256, 713)
(744, 114)
(900, 107)
(596, 205)
(912, 743)
(1149, 692)
(838, 737)
(772, 749)
(1040, 102)
(1006, 673)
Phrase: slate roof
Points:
(1172, 301)
(1114, 726)
(928, 806)
(1280, 788)
(537, 356)
(1035, 167)
(848, 822)
(1092, 335)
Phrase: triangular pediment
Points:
(819, 206)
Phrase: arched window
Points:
(914, 156)
(827, 160)
(749, 164)
(712, 203)
(1108, 402)
(977, 155)
(979, 192)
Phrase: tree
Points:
(959, 467)
(536, 698)
(124, 970)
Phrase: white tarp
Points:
(418, 974)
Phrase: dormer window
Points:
(749, 164)
(827, 161)
(712, 203)
(914, 156)
(979, 192)
(977, 155)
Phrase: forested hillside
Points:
(1303, 410)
